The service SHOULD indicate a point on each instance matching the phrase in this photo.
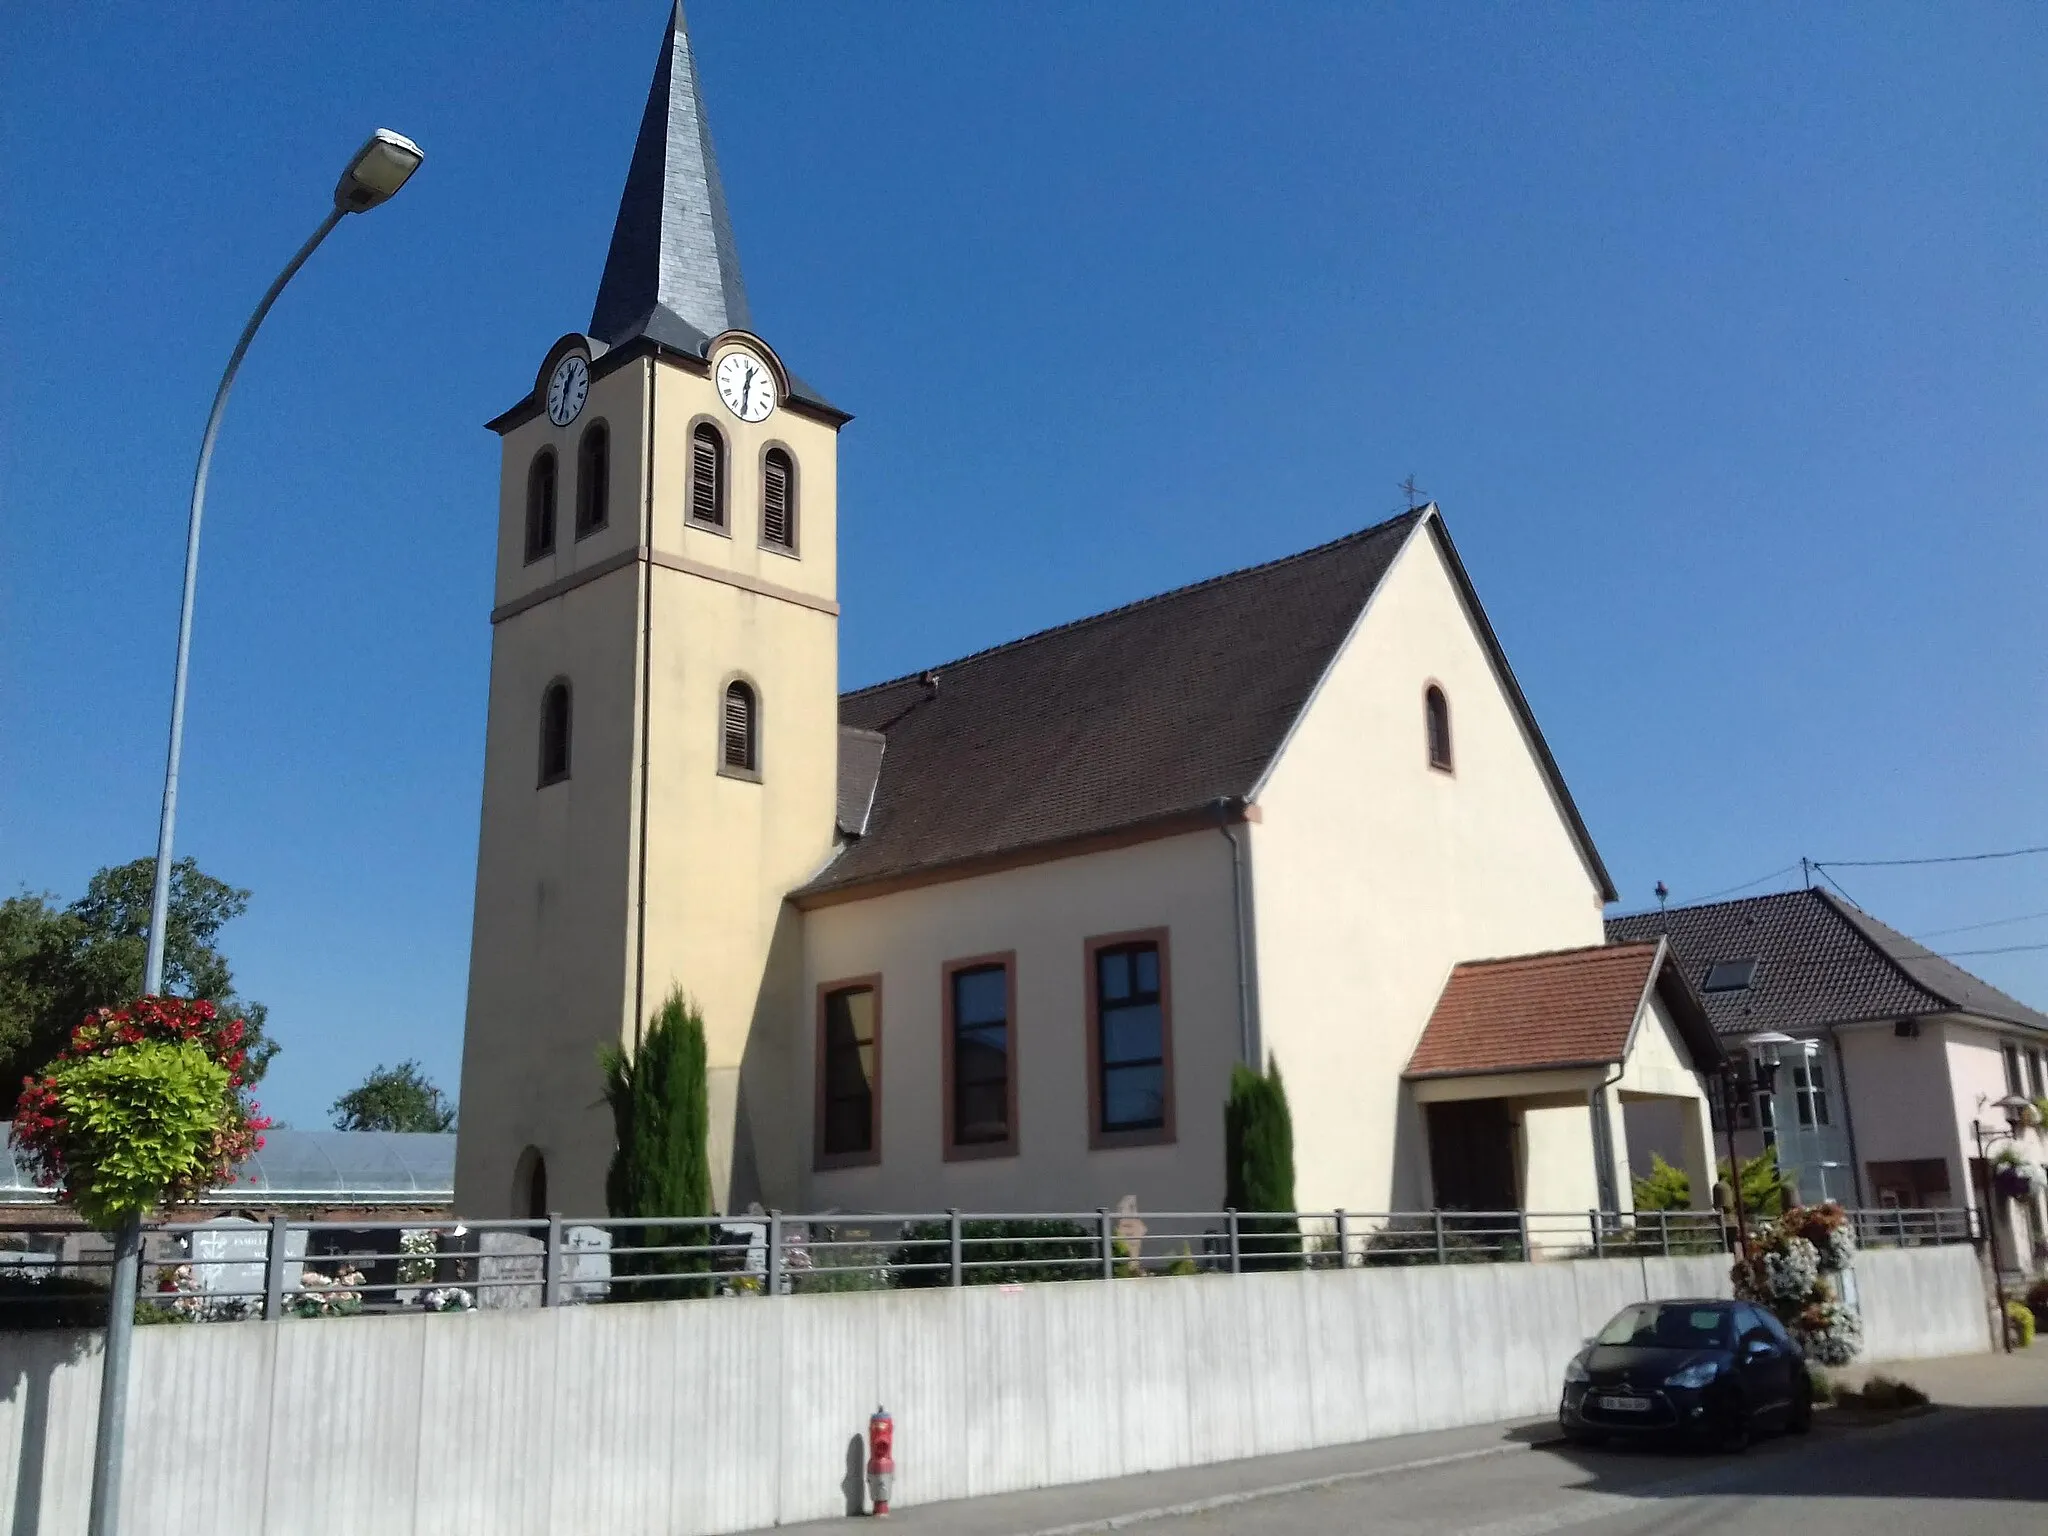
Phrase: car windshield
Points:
(1665, 1325)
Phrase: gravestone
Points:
(508, 1271)
(586, 1264)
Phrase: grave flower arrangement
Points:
(1793, 1267)
(321, 1295)
(451, 1298)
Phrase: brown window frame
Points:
(956, 1151)
(821, 1160)
(1163, 1134)
(705, 429)
(1434, 693)
(543, 512)
(568, 692)
(593, 478)
(786, 547)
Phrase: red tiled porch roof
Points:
(1528, 1013)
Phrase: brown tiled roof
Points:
(1146, 715)
(1819, 961)
(1527, 1013)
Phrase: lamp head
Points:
(2014, 1108)
(379, 169)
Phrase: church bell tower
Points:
(661, 753)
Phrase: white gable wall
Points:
(1374, 873)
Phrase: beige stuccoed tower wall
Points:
(652, 866)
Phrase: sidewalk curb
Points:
(1277, 1490)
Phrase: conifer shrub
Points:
(661, 1164)
(1258, 1140)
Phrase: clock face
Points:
(746, 386)
(568, 385)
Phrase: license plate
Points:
(1625, 1404)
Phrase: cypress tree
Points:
(661, 1164)
(1258, 1140)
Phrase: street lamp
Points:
(383, 165)
(2015, 1109)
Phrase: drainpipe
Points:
(1848, 1117)
(1603, 1140)
(1247, 1027)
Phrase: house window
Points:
(849, 1073)
(2037, 1080)
(738, 731)
(778, 500)
(593, 479)
(1130, 1040)
(1437, 712)
(981, 1077)
(2012, 1069)
(707, 476)
(540, 506)
(1810, 1091)
(554, 733)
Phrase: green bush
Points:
(660, 1103)
(997, 1253)
(33, 1301)
(1258, 1141)
(2019, 1324)
(1663, 1188)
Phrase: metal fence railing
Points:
(229, 1269)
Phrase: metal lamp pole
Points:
(2014, 1107)
(378, 170)
(383, 165)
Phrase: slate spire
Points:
(673, 272)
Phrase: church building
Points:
(993, 936)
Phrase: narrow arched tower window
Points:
(778, 500)
(554, 733)
(707, 476)
(536, 1191)
(540, 506)
(1437, 710)
(738, 731)
(593, 478)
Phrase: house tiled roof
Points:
(1145, 715)
(1819, 961)
(1526, 1013)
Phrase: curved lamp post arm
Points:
(160, 891)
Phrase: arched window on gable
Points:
(593, 478)
(1437, 712)
(778, 500)
(554, 733)
(739, 732)
(540, 505)
(707, 476)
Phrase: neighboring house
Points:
(1913, 1050)
(992, 936)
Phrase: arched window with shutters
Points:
(778, 501)
(739, 731)
(593, 479)
(707, 476)
(1436, 711)
(541, 476)
(554, 733)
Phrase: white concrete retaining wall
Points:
(715, 1416)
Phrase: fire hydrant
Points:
(881, 1461)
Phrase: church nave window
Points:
(554, 733)
(778, 501)
(739, 732)
(540, 506)
(593, 479)
(1437, 712)
(707, 477)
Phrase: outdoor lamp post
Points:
(378, 170)
(2014, 1108)
(383, 165)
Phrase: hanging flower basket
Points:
(2015, 1179)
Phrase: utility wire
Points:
(1776, 874)
(1996, 922)
(1954, 858)
(2007, 949)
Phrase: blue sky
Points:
(1717, 333)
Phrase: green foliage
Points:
(997, 1253)
(1663, 1188)
(399, 1098)
(1183, 1263)
(661, 1165)
(1763, 1190)
(140, 1119)
(2019, 1324)
(1258, 1142)
(32, 1300)
(60, 963)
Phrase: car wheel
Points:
(1585, 1437)
(1734, 1436)
(1800, 1418)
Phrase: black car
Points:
(1716, 1371)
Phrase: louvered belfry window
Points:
(778, 509)
(707, 476)
(736, 732)
(593, 479)
(540, 506)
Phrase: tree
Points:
(60, 963)
(1258, 1140)
(399, 1098)
(1663, 1188)
(661, 1165)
